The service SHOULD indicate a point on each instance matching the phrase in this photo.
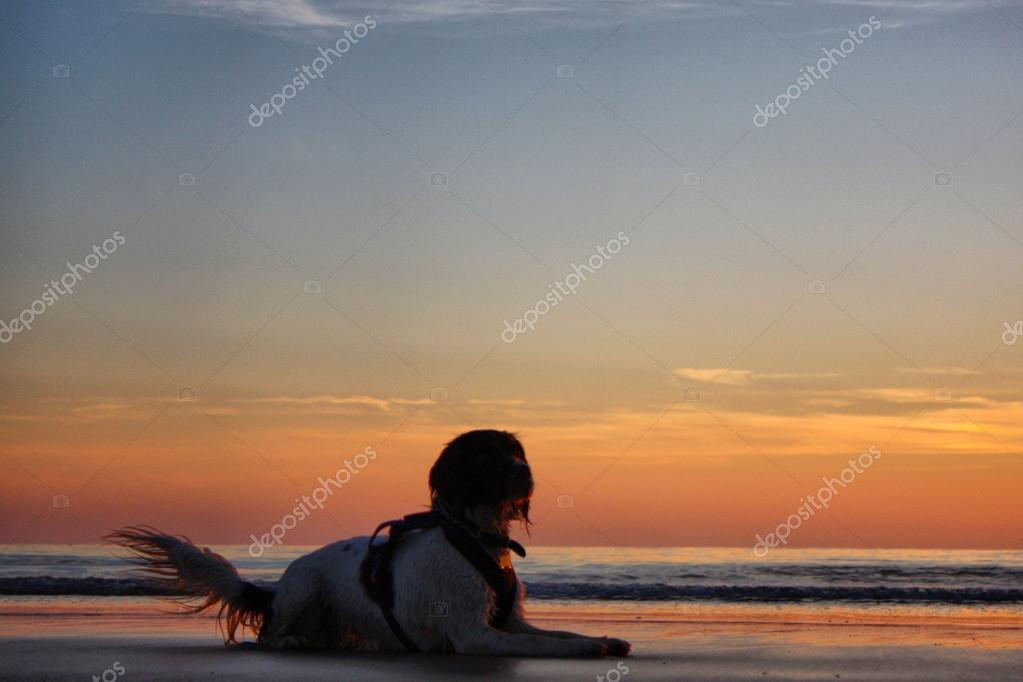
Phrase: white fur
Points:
(427, 572)
(440, 600)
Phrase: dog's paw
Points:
(588, 647)
(615, 647)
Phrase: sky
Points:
(771, 297)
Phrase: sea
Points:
(962, 578)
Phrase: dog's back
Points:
(320, 600)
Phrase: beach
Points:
(71, 612)
(43, 638)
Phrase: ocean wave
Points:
(772, 593)
(590, 591)
(97, 587)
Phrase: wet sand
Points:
(77, 639)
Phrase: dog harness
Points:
(377, 575)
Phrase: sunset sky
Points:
(837, 279)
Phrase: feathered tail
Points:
(201, 576)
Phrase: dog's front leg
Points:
(521, 626)
(484, 640)
(615, 647)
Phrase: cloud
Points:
(383, 404)
(892, 392)
(271, 13)
(106, 411)
(937, 371)
(943, 6)
(563, 14)
(515, 402)
(730, 376)
(719, 375)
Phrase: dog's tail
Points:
(201, 578)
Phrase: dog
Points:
(431, 587)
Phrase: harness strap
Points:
(377, 576)
(497, 540)
(398, 631)
(502, 581)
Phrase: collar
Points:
(484, 537)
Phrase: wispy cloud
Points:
(729, 376)
(722, 375)
(270, 13)
(937, 371)
(910, 5)
(383, 404)
(896, 391)
(581, 14)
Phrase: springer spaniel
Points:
(435, 585)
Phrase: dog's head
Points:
(483, 473)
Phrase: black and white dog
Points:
(434, 586)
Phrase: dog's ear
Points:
(449, 478)
(524, 515)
